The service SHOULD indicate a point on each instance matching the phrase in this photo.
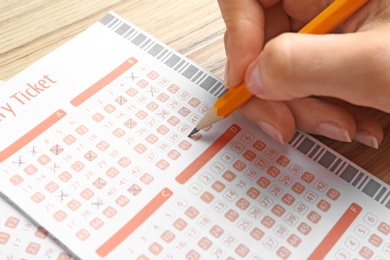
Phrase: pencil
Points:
(323, 23)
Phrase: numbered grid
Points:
(20, 238)
(76, 169)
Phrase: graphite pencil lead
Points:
(194, 131)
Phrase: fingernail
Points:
(366, 138)
(253, 82)
(271, 131)
(333, 131)
(226, 73)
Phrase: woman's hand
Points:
(315, 83)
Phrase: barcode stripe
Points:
(327, 159)
(156, 49)
(306, 145)
(172, 60)
(216, 87)
(359, 184)
(181, 70)
(299, 140)
(129, 33)
(386, 197)
(164, 55)
(179, 65)
(146, 44)
(116, 25)
(349, 173)
(371, 188)
(296, 134)
(313, 152)
(321, 152)
(341, 168)
(363, 182)
(356, 181)
(140, 39)
(221, 91)
(106, 19)
(112, 23)
(334, 166)
(122, 29)
(208, 83)
(388, 204)
(380, 194)
(190, 71)
(201, 78)
(197, 76)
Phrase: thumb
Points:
(244, 36)
(353, 67)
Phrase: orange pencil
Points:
(325, 22)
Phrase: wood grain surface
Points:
(29, 29)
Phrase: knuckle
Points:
(278, 60)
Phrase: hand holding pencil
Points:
(302, 62)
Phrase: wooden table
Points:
(29, 29)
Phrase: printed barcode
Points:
(375, 189)
(168, 57)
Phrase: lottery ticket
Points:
(97, 153)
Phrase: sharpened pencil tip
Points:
(194, 131)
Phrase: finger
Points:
(243, 38)
(368, 129)
(337, 120)
(303, 11)
(273, 117)
(315, 116)
(297, 65)
(276, 22)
